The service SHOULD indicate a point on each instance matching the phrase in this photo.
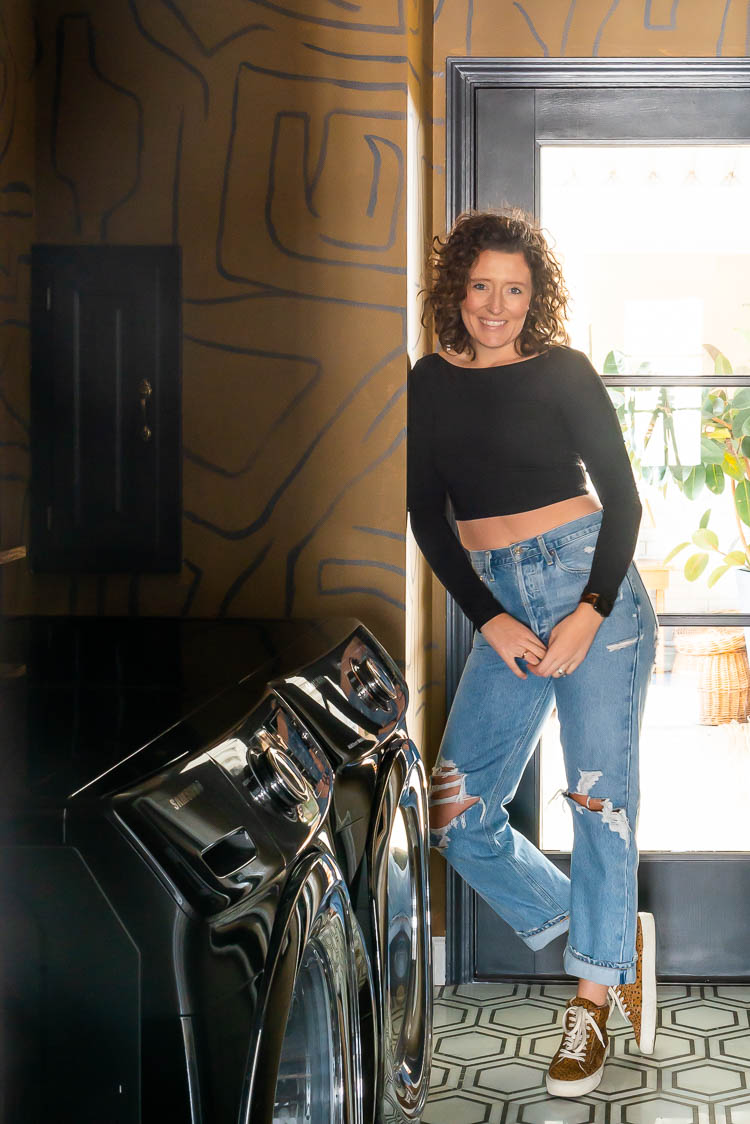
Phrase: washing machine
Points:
(179, 938)
(355, 699)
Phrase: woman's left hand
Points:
(569, 641)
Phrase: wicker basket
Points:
(720, 657)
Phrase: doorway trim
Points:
(464, 77)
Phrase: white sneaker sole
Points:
(575, 1088)
(648, 984)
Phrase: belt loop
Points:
(545, 552)
(488, 564)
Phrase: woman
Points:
(503, 420)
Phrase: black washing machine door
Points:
(316, 1023)
(398, 852)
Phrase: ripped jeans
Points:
(492, 729)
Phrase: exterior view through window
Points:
(654, 244)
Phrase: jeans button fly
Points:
(518, 552)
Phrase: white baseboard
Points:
(438, 961)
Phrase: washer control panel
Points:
(230, 819)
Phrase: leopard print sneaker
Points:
(578, 1065)
(637, 1001)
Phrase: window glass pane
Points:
(688, 447)
(654, 243)
(695, 750)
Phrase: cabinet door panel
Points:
(105, 409)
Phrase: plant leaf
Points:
(613, 363)
(706, 539)
(722, 366)
(693, 483)
(714, 479)
(732, 466)
(695, 566)
(736, 558)
(745, 446)
(742, 501)
(705, 517)
(714, 576)
(741, 400)
(675, 550)
(712, 452)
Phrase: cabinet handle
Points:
(145, 391)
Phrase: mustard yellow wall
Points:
(269, 141)
(295, 150)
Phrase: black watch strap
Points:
(602, 604)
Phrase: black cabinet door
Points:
(105, 409)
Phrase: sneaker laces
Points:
(618, 1000)
(576, 1023)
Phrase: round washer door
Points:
(398, 857)
(305, 1064)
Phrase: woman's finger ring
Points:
(561, 671)
(524, 653)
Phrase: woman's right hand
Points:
(512, 640)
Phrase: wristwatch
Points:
(597, 601)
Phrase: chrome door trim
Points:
(402, 785)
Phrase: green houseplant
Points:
(724, 464)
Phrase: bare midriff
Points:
(504, 530)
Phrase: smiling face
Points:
(494, 309)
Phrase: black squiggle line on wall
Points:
(294, 294)
(17, 214)
(15, 186)
(317, 260)
(377, 162)
(265, 515)
(170, 53)
(13, 412)
(374, 591)
(197, 573)
(176, 181)
(383, 115)
(532, 29)
(347, 25)
(720, 40)
(660, 26)
(14, 322)
(61, 32)
(230, 474)
(598, 38)
(241, 578)
(296, 551)
(209, 52)
(382, 413)
(469, 25)
(327, 80)
(397, 535)
(371, 138)
(566, 29)
(391, 59)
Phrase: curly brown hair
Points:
(451, 261)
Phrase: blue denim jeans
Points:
(492, 729)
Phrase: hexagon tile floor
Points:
(492, 1044)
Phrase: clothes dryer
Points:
(356, 699)
(180, 941)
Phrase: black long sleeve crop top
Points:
(501, 440)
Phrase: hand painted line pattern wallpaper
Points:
(295, 150)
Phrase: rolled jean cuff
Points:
(574, 964)
(538, 938)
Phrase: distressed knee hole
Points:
(614, 818)
(448, 801)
